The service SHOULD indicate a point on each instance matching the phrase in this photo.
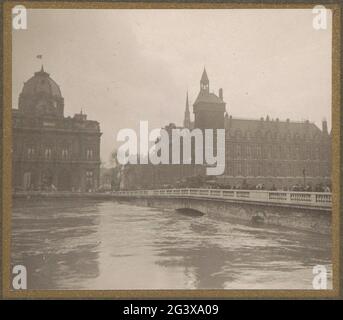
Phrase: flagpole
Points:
(40, 57)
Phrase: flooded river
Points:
(84, 244)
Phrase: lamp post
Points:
(304, 174)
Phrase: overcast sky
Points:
(122, 66)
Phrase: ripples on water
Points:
(108, 245)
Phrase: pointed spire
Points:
(204, 82)
(42, 68)
(204, 77)
(187, 120)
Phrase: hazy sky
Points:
(122, 66)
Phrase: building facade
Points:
(51, 151)
(264, 151)
(273, 152)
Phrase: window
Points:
(65, 154)
(229, 167)
(89, 154)
(317, 153)
(259, 151)
(238, 151)
(249, 171)
(239, 168)
(30, 153)
(268, 152)
(89, 180)
(248, 152)
(259, 170)
(47, 154)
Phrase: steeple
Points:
(204, 82)
(208, 108)
(187, 120)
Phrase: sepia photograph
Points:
(172, 149)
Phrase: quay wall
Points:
(298, 217)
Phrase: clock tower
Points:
(208, 108)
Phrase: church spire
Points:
(187, 120)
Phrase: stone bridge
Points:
(310, 211)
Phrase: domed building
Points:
(41, 96)
(51, 151)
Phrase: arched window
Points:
(65, 154)
(47, 153)
(89, 154)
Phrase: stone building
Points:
(149, 176)
(273, 152)
(208, 108)
(264, 151)
(51, 151)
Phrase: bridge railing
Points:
(317, 199)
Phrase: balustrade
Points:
(306, 198)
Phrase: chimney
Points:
(325, 127)
(221, 94)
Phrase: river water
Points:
(76, 244)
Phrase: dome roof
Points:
(41, 83)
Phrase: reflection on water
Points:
(108, 245)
